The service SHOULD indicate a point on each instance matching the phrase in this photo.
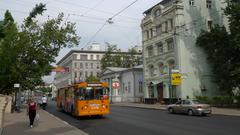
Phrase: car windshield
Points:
(196, 102)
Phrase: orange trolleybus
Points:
(84, 99)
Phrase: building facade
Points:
(169, 33)
(130, 82)
(79, 64)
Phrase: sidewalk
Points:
(18, 124)
(215, 110)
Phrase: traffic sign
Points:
(115, 85)
(16, 85)
(176, 79)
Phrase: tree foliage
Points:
(222, 49)
(26, 52)
(92, 78)
(115, 58)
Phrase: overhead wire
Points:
(93, 7)
(100, 21)
(97, 10)
(108, 21)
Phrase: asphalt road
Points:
(136, 121)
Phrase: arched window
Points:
(171, 64)
(157, 13)
(191, 2)
(151, 70)
(161, 68)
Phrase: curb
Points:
(165, 109)
(64, 122)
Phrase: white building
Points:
(169, 31)
(79, 64)
(130, 83)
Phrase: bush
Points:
(237, 98)
(203, 99)
(222, 101)
(218, 101)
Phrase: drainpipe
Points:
(134, 86)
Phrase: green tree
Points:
(115, 58)
(108, 59)
(222, 49)
(92, 78)
(29, 51)
(8, 51)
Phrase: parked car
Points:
(190, 107)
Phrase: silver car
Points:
(190, 107)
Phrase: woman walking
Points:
(31, 111)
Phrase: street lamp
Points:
(17, 97)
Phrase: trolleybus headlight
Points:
(85, 107)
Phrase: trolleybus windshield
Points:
(90, 93)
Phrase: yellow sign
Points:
(176, 79)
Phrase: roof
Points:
(88, 51)
(163, 2)
(138, 66)
(116, 69)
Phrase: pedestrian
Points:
(44, 102)
(22, 99)
(31, 111)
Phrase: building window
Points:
(191, 2)
(158, 29)
(91, 65)
(161, 69)
(98, 66)
(86, 65)
(80, 74)
(81, 65)
(98, 57)
(160, 47)
(129, 87)
(91, 73)
(151, 71)
(150, 51)
(98, 74)
(83, 57)
(150, 33)
(75, 64)
(86, 74)
(157, 13)
(91, 57)
(140, 87)
(147, 35)
(170, 45)
(166, 26)
(171, 24)
(210, 25)
(209, 3)
(75, 74)
(74, 56)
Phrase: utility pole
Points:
(170, 84)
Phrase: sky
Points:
(89, 16)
